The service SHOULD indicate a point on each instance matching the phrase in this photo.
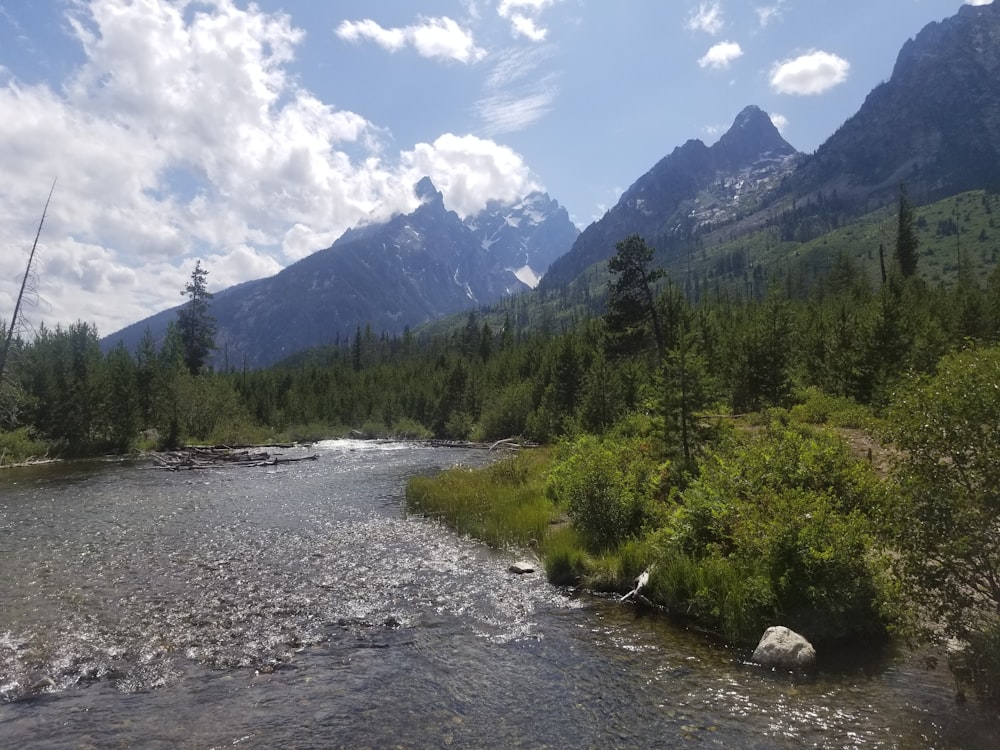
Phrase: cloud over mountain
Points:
(182, 134)
(811, 73)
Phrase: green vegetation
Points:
(503, 505)
(18, 447)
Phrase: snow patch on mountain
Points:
(527, 276)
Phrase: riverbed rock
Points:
(42, 683)
(522, 567)
(785, 649)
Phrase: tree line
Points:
(653, 348)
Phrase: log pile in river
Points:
(220, 456)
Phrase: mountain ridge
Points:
(390, 276)
(692, 186)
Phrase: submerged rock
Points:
(521, 568)
(42, 683)
(784, 648)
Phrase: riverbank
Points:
(777, 522)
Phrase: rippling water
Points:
(297, 606)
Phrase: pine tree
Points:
(906, 238)
(195, 325)
(632, 310)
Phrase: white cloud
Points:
(707, 18)
(779, 121)
(811, 73)
(721, 55)
(523, 16)
(469, 171)
(978, 2)
(508, 112)
(768, 13)
(516, 94)
(506, 8)
(436, 38)
(183, 135)
(370, 31)
(524, 26)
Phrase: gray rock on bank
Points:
(785, 649)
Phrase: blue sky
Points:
(251, 134)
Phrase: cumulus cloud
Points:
(524, 17)
(468, 171)
(183, 135)
(436, 38)
(721, 55)
(811, 73)
(707, 18)
(978, 2)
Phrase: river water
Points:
(297, 606)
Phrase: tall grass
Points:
(566, 561)
(503, 504)
(721, 596)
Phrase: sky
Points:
(249, 135)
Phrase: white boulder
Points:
(785, 649)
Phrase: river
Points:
(298, 606)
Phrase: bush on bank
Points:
(778, 527)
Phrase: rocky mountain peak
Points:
(752, 136)
(934, 125)
(426, 191)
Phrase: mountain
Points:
(398, 274)
(695, 186)
(523, 239)
(935, 124)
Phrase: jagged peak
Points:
(751, 135)
(426, 191)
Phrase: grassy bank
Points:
(503, 504)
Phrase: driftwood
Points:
(215, 457)
(636, 593)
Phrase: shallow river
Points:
(298, 607)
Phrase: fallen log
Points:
(201, 457)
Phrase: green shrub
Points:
(312, 432)
(372, 429)
(945, 511)
(19, 446)
(817, 407)
(409, 429)
(776, 529)
(604, 487)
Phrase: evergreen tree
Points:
(122, 405)
(906, 237)
(196, 326)
(632, 311)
